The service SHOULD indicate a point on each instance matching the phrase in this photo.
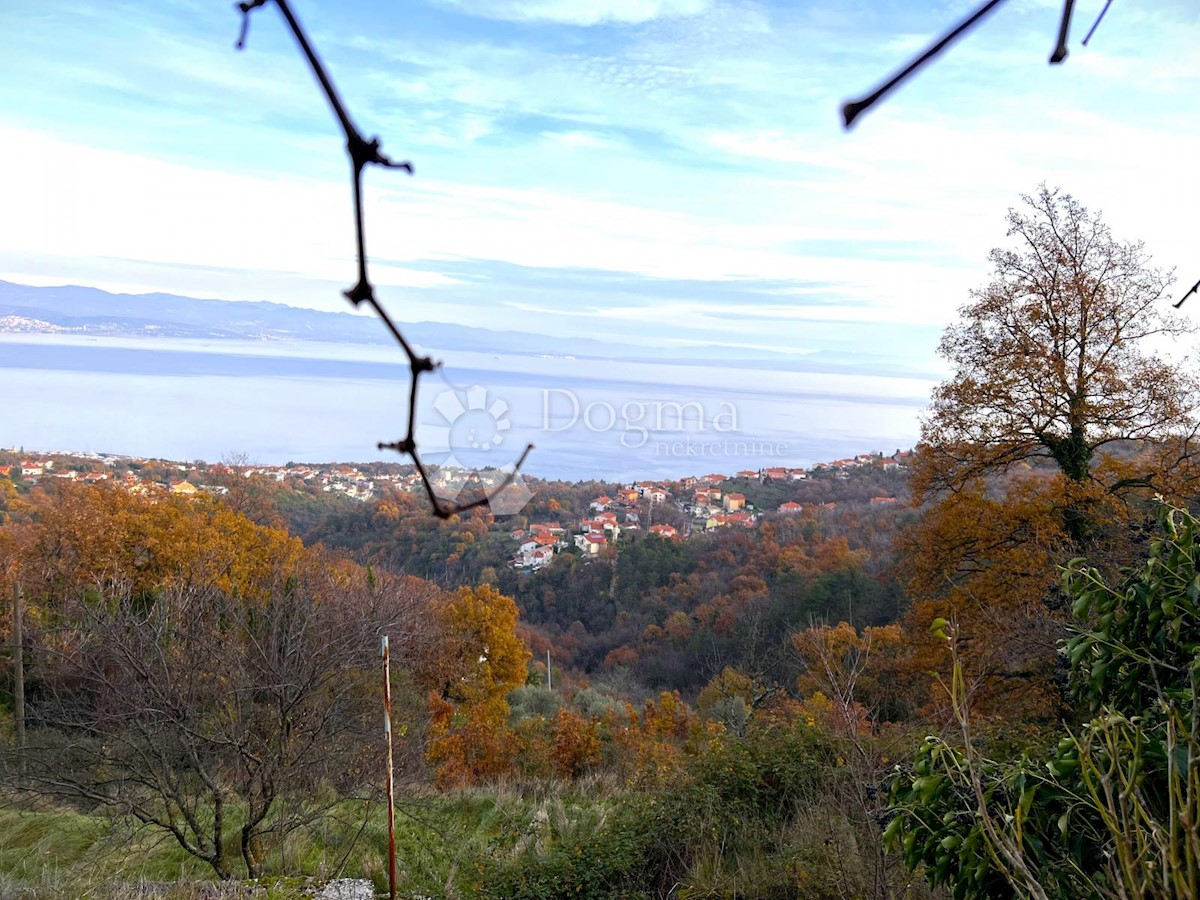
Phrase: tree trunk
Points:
(19, 676)
(251, 850)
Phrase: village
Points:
(704, 502)
(692, 504)
(150, 476)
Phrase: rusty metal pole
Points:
(387, 730)
(19, 675)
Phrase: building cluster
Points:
(537, 544)
(147, 476)
(601, 528)
(704, 499)
(712, 508)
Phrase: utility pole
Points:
(19, 674)
(387, 730)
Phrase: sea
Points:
(272, 402)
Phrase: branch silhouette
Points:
(363, 153)
(854, 108)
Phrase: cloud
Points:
(579, 12)
(686, 166)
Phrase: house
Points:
(714, 478)
(31, 469)
(747, 473)
(6, 471)
(601, 503)
(734, 502)
(605, 522)
(878, 501)
(657, 495)
(790, 508)
(776, 473)
(797, 474)
(591, 543)
(666, 532)
(628, 495)
(183, 487)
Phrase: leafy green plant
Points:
(1114, 808)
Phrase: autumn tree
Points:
(1111, 809)
(218, 705)
(477, 662)
(1060, 420)
(1054, 359)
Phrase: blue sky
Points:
(641, 170)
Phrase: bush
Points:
(531, 701)
(735, 802)
(1113, 809)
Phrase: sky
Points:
(649, 171)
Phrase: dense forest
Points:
(967, 670)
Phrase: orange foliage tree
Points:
(479, 660)
(192, 669)
(1059, 419)
(854, 671)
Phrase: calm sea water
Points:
(275, 402)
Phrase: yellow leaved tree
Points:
(477, 662)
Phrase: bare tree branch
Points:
(854, 108)
(1096, 24)
(363, 153)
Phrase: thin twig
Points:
(855, 108)
(1195, 289)
(1096, 24)
(363, 153)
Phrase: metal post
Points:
(387, 730)
(19, 676)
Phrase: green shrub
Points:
(1111, 809)
(729, 811)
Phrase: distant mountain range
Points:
(89, 311)
(84, 310)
